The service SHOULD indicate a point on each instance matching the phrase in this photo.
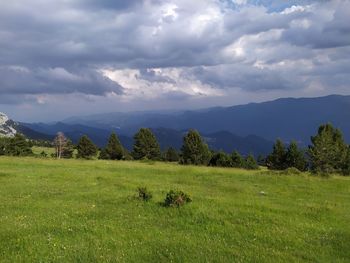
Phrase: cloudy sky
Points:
(60, 58)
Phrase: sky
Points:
(67, 58)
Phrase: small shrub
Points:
(144, 194)
(176, 199)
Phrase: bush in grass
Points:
(220, 159)
(176, 199)
(250, 163)
(144, 194)
(237, 160)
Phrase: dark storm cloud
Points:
(61, 47)
(17, 80)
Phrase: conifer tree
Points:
(295, 157)
(114, 149)
(18, 146)
(250, 163)
(220, 159)
(86, 148)
(261, 160)
(237, 160)
(103, 154)
(346, 165)
(328, 150)
(146, 145)
(277, 159)
(68, 150)
(171, 155)
(3, 145)
(194, 150)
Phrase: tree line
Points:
(328, 152)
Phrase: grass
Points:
(37, 150)
(86, 211)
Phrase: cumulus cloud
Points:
(172, 49)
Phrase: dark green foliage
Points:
(220, 159)
(146, 145)
(328, 150)
(237, 160)
(176, 199)
(295, 157)
(194, 150)
(171, 155)
(86, 148)
(250, 163)
(68, 150)
(127, 156)
(261, 160)
(144, 194)
(277, 159)
(42, 143)
(3, 145)
(103, 154)
(15, 146)
(346, 165)
(114, 149)
(43, 154)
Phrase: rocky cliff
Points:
(7, 126)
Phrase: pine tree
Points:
(237, 160)
(277, 159)
(194, 150)
(171, 155)
(261, 160)
(346, 165)
(220, 159)
(86, 148)
(68, 150)
(103, 155)
(328, 150)
(3, 145)
(146, 145)
(18, 146)
(114, 149)
(295, 157)
(250, 163)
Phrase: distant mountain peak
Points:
(7, 126)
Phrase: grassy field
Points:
(86, 211)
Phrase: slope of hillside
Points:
(287, 118)
(225, 141)
(86, 211)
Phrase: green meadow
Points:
(87, 211)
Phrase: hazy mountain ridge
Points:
(166, 137)
(286, 118)
(247, 128)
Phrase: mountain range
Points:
(286, 118)
(249, 128)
